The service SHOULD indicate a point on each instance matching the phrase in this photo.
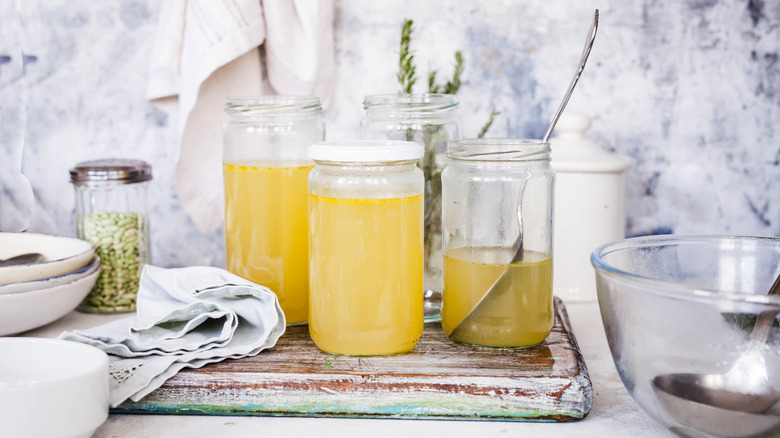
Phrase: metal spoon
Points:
(745, 388)
(584, 58)
(470, 324)
(23, 259)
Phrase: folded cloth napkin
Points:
(187, 318)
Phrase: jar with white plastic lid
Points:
(590, 205)
(112, 213)
(366, 247)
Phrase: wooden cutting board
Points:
(437, 380)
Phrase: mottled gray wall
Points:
(689, 89)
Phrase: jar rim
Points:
(411, 103)
(111, 171)
(498, 149)
(602, 263)
(271, 105)
(366, 151)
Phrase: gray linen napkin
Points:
(187, 317)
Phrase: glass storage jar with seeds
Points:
(112, 214)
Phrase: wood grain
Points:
(437, 380)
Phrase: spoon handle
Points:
(775, 289)
(763, 326)
(765, 319)
(583, 59)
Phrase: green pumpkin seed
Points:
(119, 241)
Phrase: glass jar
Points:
(265, 166)
(112, 213)
(431, 120)
(498, 216)
(366, 243)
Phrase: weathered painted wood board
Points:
(437, 380)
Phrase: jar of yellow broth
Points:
(265, 167)
(497, 242)
(366, 247)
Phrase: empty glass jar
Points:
(366, 244)
(265, 166)
(498, 206)
(431, 120)
(112, 214)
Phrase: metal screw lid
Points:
(111, 171)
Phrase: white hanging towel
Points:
(207, 50)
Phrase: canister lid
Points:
(573, 152)
(366, 151)
(111, 171)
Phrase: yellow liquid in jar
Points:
(366, 285)
(520, 316)
(267, 233)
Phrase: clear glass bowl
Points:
(687, 304)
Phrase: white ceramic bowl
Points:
(46, 283)
(52, 388)
(63, 255)
(25, 311)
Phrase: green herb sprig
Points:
(407, 72)
(452, 86)
(406, 68)
(489, 123)
(430, 134)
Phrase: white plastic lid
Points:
(573, 152)
(366, 151)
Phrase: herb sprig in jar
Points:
(428, 119)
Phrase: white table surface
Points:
(614, 413)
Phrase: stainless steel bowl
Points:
(687, 305)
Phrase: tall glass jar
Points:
(265, 166)
(498, 229)
(366, 243)
(431, 120)
(112, 213)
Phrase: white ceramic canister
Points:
(590, 205)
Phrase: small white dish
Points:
(63, 255)
(26, 311)
(46, 283)
(52, 388)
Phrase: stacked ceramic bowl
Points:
(38, 290)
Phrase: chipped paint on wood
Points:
(438, 379)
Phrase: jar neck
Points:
(498, 151)
(383, 166)
(273, 107)
(411, 105)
